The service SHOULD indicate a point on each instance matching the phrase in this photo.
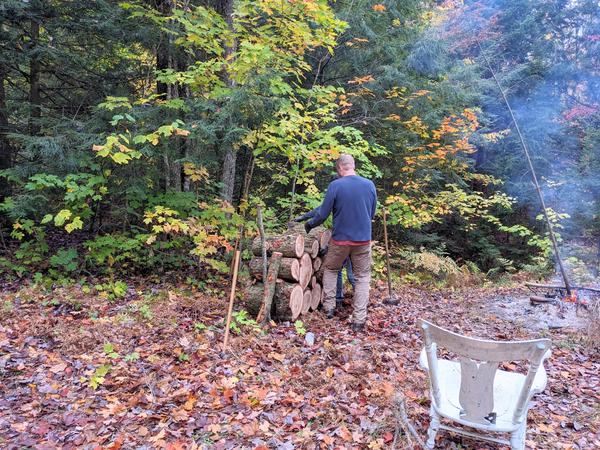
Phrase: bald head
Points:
(345, 165)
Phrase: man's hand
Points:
(307, 227)
(301, 218)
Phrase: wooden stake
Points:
(387, 252)
(236, 266)
(238, 244)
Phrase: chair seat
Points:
(507, 387)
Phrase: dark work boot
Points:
(329, 313)
(357, 327)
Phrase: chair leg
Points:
(434, 425)
(517, 438)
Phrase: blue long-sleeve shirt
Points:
(352, 200)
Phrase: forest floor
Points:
(81, 370)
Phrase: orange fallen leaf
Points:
(345, 434)
(117, 444)
(20, 427)
(328, 440)
(228, 394)
(545, 428)
(189, 404)
(277, 356)
(214, 428)
(159, 436)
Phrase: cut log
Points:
(536, 300)
(306, 301)
(288, 300)
(311, 246)
(318, 231)
(313, 282)
(316, 295)
(306, 270)
(325, 238)
(253, 296)
(289, 269)
(319, 273)
(317, 262)
(269, 284)
(289, 245)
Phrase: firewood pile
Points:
(295, 273)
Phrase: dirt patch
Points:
(519, 311)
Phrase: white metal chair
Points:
(474, 392)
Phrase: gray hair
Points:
(345, 161)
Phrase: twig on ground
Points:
(404, 424)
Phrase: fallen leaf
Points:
(161, 434)
(345, 434)
(214, 428)
(277, 356)
(58, 368)
(190, 402)
(117, 444)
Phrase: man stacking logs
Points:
(296, 286)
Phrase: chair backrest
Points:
(479, 360)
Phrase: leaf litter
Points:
(147, 371)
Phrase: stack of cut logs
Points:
(295, 273)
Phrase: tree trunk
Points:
(6, 151)
(289, 269)
(163, 51)
(290, 245)
(225, 9)
(34, 82)
(228, 176)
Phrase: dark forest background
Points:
(138, 136)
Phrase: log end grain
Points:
(306, 301)
(306, 270)
(316, 297)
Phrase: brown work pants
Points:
(360, 255)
